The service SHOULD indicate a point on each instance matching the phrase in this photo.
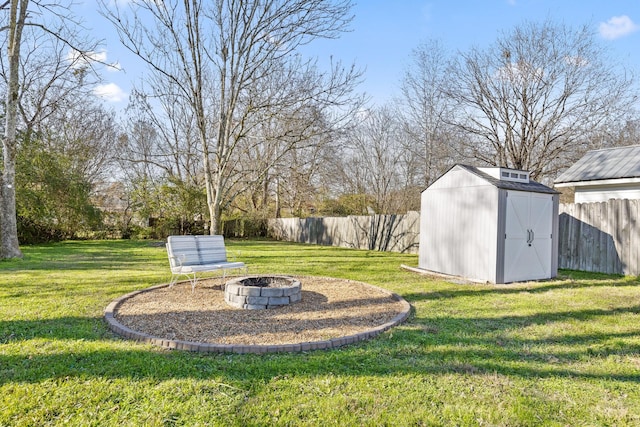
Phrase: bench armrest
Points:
(178, 259)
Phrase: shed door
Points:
(528, 240)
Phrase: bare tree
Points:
(532, 100)
(86, 133)
(160, 157)
(295, 181)
(629, 134)
(162, 136)
(288, 139)
(377, 161)
(21, 15)
(8, 226)
(426, 107)
(219, 54)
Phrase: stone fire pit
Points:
(261, 292)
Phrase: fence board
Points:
(583, 243)
(569, 257)
(593, 217)
(623, 241)
(634, 240)
(604, 241)
(612, 230)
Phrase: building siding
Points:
(605, 192)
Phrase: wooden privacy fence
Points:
(393, 233)
(600, 237)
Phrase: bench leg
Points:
(193, 283)
(174, 279)
(193, 280)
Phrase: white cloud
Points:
(616, 27)
(519, 73)
(110, 92)
(578, 61)
(119, 3)
(114, 67)
(81, 60)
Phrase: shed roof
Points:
(608, 163)
(531, 186)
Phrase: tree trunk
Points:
(278, 208)
(8, 224)
(214, 212)
(212, 195)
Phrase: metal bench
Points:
(189, 255)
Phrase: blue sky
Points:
(384, 33)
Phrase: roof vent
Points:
(504, 174)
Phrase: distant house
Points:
(611, 173)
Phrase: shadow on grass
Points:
(63, 328)
(537, 288)
(82, 347)
(87, 255)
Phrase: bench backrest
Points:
(197, 250)
(211, 249)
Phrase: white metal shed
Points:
(489, 224)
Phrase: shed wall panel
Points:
(459, 227)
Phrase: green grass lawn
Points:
(556, 353)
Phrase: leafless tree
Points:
(56, 104)
(222, 56)
(376, 161)
(289, 141)
(532, 100)
(629, 134)
(296, 180)
(162, 137)
(160, 156)
(52, 25)
(425, 107)
(8, 226)
(86, 133)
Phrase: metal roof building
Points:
(489, 224)
(600, 175)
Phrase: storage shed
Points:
(490, 225)
(600, 175)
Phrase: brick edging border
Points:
(125, 332)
